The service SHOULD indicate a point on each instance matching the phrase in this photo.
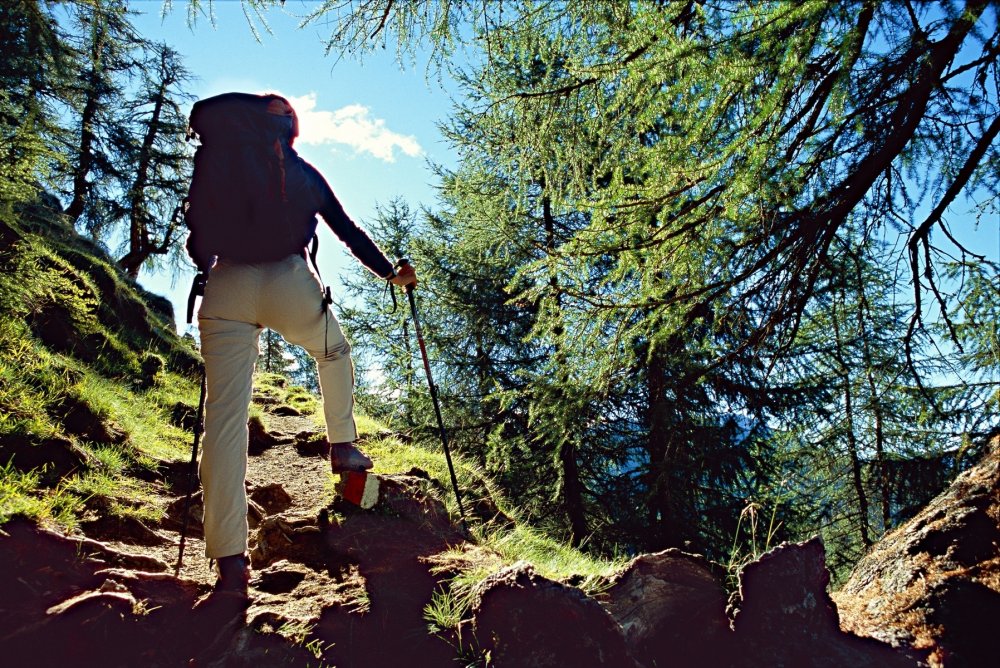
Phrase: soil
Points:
(331, 584)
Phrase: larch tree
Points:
(156, 161)
(677, 190)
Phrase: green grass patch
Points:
(276, 389)
(499, 548)
(302, 400)
(108, 487)
(497, 544)
(20, 496)
(30, 380)
(144, 415)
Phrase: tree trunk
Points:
(852, 442)
(658, 512)
(140, 245)
(85, 149)
(881, 470)
(572, 486)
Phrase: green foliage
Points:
(110, 489)
(27, 372)
(78, 341)
(657, 290)
(277, 388)
(497, 548)
(20, 496)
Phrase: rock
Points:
(523, 619)
(102, 552)
(787, 618)
(122, 602)
(174, 518)
(184, 416)
(154, 590)
(286, 537)
(286, 410)
(95, 626)
(672, 610)
(125, 529)
(933, 584)
(260, 439)
(280, 577)
(414, 499)
(312, 444)
(272, 498)
(255, 513)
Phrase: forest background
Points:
(707, 275)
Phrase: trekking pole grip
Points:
(400, 263)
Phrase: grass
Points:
(497, 545)
(298, 632)
(144, 415)
(34, 382)
(750, 540)
(20, 496)
(111, 489)
(29, 375)
(277, 388)
(496, 549)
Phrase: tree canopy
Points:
(720, 228)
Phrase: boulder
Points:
(523, 619)
(272, 498)
(672, 609)
(933, 584)
(787, 618)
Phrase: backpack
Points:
(247, 200)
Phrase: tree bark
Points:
(852, 442)
(572, 486)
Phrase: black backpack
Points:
(250, 193)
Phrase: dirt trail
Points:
(331, 582)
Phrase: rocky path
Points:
(337, 586)
(332, 585)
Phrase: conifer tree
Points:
(154, 159)
(33, 73)
(679, 190)
(274, 356)
(104, 42)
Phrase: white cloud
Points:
(352, 125)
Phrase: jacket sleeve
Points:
(356, 240)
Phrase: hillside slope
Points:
(97, 399)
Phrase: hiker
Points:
(255, 275)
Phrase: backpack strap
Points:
(313, 251)
(197, 290)
(327, 296)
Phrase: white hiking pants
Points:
(240, 300)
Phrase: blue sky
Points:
(369, 126)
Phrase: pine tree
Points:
(274, 356)
(33, 72)
(104, 42)
(654, 233)
(154, 159)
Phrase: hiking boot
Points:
(233, 574)
(345, 457)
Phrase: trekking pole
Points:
(433, 388)
(198, 427)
